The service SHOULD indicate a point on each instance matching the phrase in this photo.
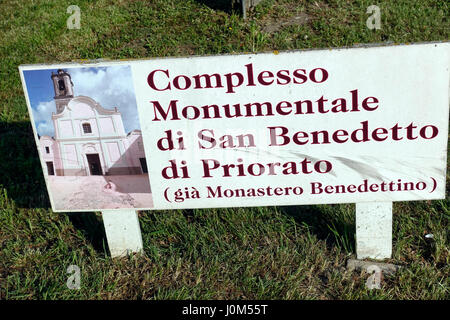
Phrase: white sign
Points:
(301, 127)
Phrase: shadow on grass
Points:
(92, 228)
(334, 224)
(227, 6)
(20, 168)
(22, 177)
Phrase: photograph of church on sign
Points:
(93, 155)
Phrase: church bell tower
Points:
(63, 87)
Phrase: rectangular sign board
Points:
(280, 128)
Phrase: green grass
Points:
(252, 253)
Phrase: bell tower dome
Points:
(63, 87)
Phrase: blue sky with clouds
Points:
(110, 86)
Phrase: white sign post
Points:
(123, 232)
(359, 125)
(374, 230)
(246, 5)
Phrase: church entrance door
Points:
(95, 167)
(50, 168)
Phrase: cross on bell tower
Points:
(63, 87)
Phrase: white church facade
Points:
(89, 139)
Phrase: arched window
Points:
(62, 85)
(87, 128)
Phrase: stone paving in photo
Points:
(100, 192)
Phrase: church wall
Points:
(52, 154)
(118, 123)
(117, 156)
(65, 128)
(46, 143)
(107, 126)
(118, 153)
(57, 161)
(56, 127)
(72, 163)
(135, 151)
(79, 127)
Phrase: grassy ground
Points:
(252, 253)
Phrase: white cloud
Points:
(111, 87)
(43, 118)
